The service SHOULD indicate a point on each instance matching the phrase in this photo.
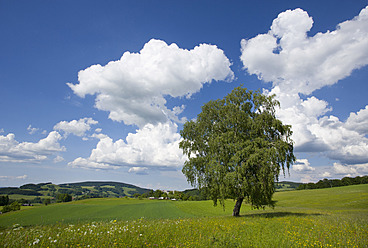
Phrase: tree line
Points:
(186, 195)
(329, 183)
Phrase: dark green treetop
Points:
(237, 148)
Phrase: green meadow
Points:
(334, 217)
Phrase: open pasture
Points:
(336, 217)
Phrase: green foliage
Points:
(158, 193)
(285, 185)
(236, 148)
(115, 188)
(150, 193)
(196, 194)
(31, 186)
(4, 200)
(37, 200)
(65, 191)
(136, 195)
(14, 206)
(14, 190)
(329, 183)
(47, 201)
(64, 198)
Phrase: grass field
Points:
(335, 217)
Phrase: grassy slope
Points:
(337, 197)
(92, 210)
(340, 199)
(350, 200)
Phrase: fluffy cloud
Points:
(298, 64)
(76, 127)
(301, 115)
(350, 170)
(58, 159)
(344, 170)
(133, 89)
(12, 177)
(326, 174)
(13, 151)
(138, 170)
(338, 170)
(88, 164)
(345, 144)
(153, 145)
(302, 165)
(32, 130)
(358, 121)
(313, 131)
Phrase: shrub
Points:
(64, 198)
(4, 200)
(12, 207)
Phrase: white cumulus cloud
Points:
(88, 164)
(76, 127)
(326, 174)
(350, 170)
(133, 89)
(58, 159)
(138, 170)
(32, 130)
(302, 165)
(13, 151)
(298, 64)
(358, 121)
(344, 169)
(151, 146)
(344, 144)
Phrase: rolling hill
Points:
(77, 190)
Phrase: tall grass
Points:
(279, 230)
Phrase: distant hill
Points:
(77, 190)
(18, 191)
(113, 189)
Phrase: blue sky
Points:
(99, 90)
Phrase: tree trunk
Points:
(237, 206)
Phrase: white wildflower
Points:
(36, 241)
